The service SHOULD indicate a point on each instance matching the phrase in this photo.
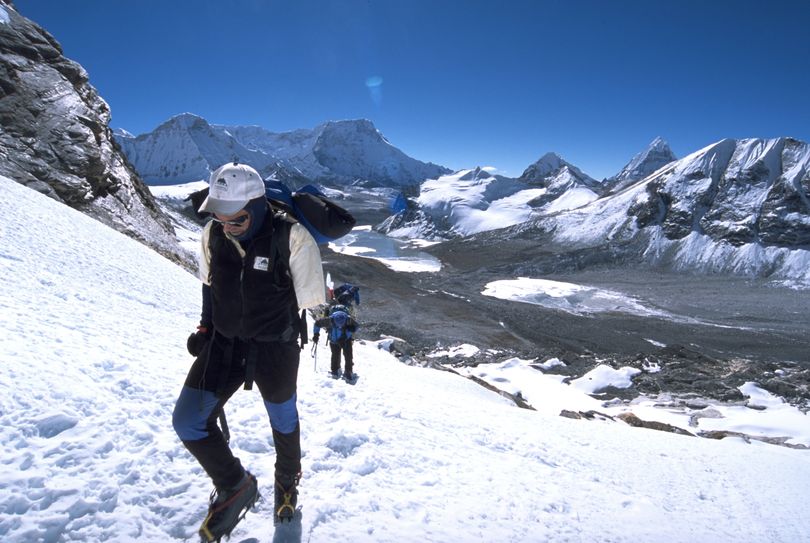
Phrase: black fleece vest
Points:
(253, 297)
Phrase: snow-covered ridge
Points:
(187, 148)
(735, 206)
(471, 201)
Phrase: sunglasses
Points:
(238, 221)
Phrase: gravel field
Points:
(715, 332)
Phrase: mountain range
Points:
(187, 148)
(736, 206)
(739, 207)
(353, 153)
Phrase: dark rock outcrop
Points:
(55, 137)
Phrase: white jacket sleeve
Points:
(306, 268)
(205, 257)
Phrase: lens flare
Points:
(374, 85)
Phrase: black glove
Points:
(198, 340)
(315, 338)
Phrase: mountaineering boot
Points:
(286, 497)
(227, 507)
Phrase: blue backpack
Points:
(324, 219)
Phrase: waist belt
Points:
(248, 353)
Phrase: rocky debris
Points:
(758, 337)
(634, 420)
(519, 401)
(586, 415)
(722, 434)
(55, 138)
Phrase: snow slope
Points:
(94, 327)
(471, 201)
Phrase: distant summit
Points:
(551, 169)
(654, 157)
(560, 177)
(185, 148)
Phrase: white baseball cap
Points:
(231, 187)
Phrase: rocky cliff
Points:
(55, 137)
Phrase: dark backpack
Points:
(325, 220)
(347, 294)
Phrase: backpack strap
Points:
(280, 244)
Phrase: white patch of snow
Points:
(602, 377)
(575, 299)
(471, 201)
(177, 192)
(465, 350)
(571, 199)
(551, 363)
(549, 393)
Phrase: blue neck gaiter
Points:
(257, 208)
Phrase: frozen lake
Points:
(399, 255)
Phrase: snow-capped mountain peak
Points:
(121, 133)
(654, 157)
(475, 174)
(186, 120)
(547, 164)
(550, 166)
(186, 148)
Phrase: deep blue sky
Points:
(464, 82)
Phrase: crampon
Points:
(228, 507)
(286, 494)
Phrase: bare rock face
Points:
(55, 137)
(746, 191)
